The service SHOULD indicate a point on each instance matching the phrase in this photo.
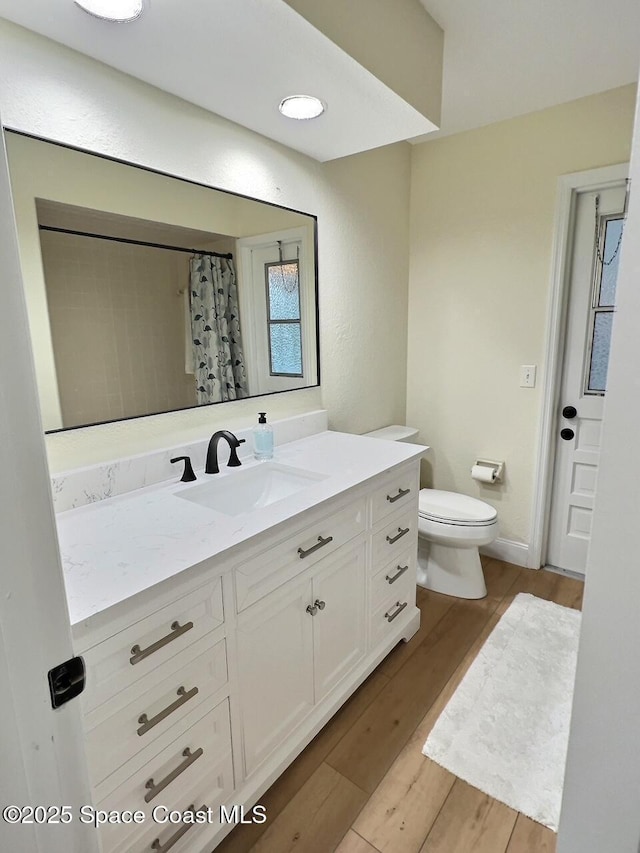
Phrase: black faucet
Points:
(211, 466)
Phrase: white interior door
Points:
(597, 243)
(41, 750)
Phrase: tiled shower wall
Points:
(118, 327)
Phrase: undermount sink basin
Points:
(250, 489)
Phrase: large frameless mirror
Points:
(147, 293)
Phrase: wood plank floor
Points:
(363, 786)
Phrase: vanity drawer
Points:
(393, 537)
(393, 610)
(114, 733)
(399, 491)
(269, 569)
(196, 769)
(145, 646)
(394, 576)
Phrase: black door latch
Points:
(66, 681)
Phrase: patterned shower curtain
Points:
(218, 356)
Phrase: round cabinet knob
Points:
(312, 609)
(319, 604)
(567, 434)
(569, 412)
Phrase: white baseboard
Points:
(511, 552)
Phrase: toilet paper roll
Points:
(483, 473)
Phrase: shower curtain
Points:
(218, 356)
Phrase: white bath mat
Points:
(506, 728)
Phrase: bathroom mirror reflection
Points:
(148, 294)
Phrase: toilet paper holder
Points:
(487, 470)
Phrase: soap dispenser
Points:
(262, 438)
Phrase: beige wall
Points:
(362, 204)
(117, 326)
(397, 40)
(482, 208)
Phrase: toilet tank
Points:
(394, 432)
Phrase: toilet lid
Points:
(453, 508)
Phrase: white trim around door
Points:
(568, 188)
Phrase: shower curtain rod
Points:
(227, 255)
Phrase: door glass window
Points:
(607, 257)
(603, 323)
(612, 236)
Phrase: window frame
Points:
(594, 307)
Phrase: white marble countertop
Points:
(116, 548)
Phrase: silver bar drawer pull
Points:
(157, 845)
(401, 494)
(154, 789)
(399, 535)
(177, 630)
(183, 696)
(319, 544)
(400, 607)
(394, 578)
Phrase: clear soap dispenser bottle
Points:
(263, 438)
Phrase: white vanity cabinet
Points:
(339, 630)
(203, 688)
(157, 717)
(275, 666)
(295, 645)
(193, 770)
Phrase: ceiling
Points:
(504, 58)
(54, 214)
(238, 59)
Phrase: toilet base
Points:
(450, 570)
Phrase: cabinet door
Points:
(339, 626)
(275, 662)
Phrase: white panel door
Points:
(42, 752)
(339, 624)
(593, 274)
(275, 660)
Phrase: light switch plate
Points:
(528, 376)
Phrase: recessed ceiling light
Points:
(301, 107)
(120, 11)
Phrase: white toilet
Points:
(451, 528)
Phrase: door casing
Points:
(576, 460)
(568, 188)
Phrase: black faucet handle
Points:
(188, 475)
(234, 462)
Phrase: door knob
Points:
(567, 434)
(569, 412)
